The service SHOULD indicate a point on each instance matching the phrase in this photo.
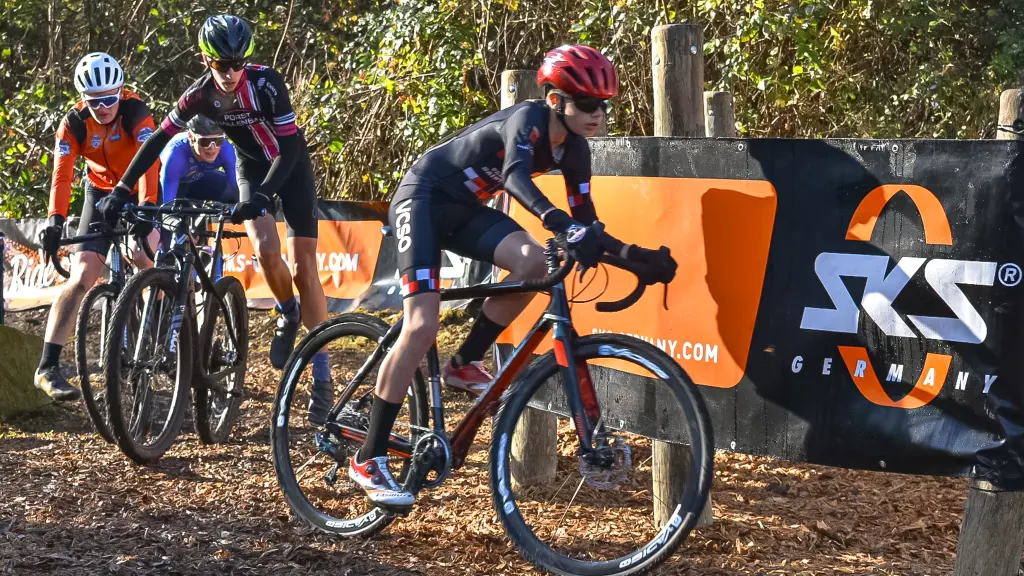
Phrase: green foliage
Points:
(375, 82)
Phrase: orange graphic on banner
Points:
(719, 232)
(933, 376)
(346, 259)
(936, 231)
(936, 225)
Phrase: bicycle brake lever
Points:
(55, 260)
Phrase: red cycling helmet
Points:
(579, 70)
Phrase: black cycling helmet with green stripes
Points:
(226, 37)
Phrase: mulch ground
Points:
(72, 504)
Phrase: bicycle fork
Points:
(578, 386)
(180, 300)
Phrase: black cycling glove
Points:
(660, 262)
(50, 236)
(111, 205)
(252, 209)
(583, 243)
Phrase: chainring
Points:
(432, 453)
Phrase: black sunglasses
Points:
(225, 65)
(589, 104)
(208, 141)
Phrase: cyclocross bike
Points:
(169, 354)
(93, 317)
(590, 510)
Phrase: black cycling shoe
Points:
(284, 339)
(51, 381)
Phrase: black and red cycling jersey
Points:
(438, 204)
(505, 151)
(107, 149)
(258, 118)
(253, 116)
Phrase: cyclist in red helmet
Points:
(439, 206)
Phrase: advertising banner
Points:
(845, 302)
(852, 303)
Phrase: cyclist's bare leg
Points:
(419, 331)
(86, 269)
(139, 257)
(302, 257)
(523, 257)
(267, 246)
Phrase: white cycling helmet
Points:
(97, 72)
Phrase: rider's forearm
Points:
(281, 167)
(521, 187)
(145, 157)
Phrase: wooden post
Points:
(992, 532)
(678, 67)
(519, 85)
(1010, 108)
(535, 441)
(678, 63)
(719, 117)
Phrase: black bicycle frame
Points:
(576, 381)
(184, 250)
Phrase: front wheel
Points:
(595, 514)
(148, 380)
(220, 368)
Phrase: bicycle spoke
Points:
(567, 507)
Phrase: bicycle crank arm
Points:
(397, 445)
(212, 383)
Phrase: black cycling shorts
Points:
(298, 200)
(89, 216)
(426, 221)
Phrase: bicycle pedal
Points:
(396, 511)
(332, 475)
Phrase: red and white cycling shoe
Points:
(472, 378)
(376, 480)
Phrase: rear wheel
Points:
(148, 381)
(90, 338)
(312, 461)
(220, 368)
(595, 515)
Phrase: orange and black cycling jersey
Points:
(107, 149)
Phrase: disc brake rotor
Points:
(609, 477)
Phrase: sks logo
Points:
(943, 276)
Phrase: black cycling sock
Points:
(51, 355)
(483, 333)
(382, 420)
